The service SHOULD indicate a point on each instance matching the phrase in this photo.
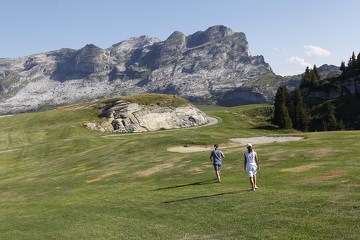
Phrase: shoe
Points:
(256, 187)
(218, 180)
(253, 189)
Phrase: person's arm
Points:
(257, 162)
(244, 161)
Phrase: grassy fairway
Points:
(59, 180)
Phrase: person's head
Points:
(216, 146)
(249, 146)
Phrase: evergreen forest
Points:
(327, 104)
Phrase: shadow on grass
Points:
(188, 185)
(204, 196)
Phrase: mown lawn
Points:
(59, 180)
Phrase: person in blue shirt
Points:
(216, 157)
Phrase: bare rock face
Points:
(212, 66)
(127, 117)
(353, 85)
(201, 67)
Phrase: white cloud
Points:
(314, 51)
(299, 61)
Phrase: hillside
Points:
(59, 180)
(337, 94)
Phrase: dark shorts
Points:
(217, 167)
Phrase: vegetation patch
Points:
(303, 168)
(162, 100)
(325, 177)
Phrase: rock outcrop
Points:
(126, 117)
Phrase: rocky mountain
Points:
(212, 66)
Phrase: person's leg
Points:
(251, 178)
(217, 172)
(255, 186)
(252, 183)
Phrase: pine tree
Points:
(352, 62)
(316, 73)
(301, 118)
(281, 113)
(289, 103)
(310, 78)
(306, 78)
(285, 121)
(330, 118)
(315, 77)
(279, 99)
(342, 67)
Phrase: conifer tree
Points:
(301, 118)
(306, 78)
(289, 104)
(330, 118)
(342, 67)
(285, 121)
(316, 73)
(281, 113)
(310, 78)
(352, 62)
(315, 77)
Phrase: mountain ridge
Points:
(212, 66)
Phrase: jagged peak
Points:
(211, 34)
(175, 41)
(89, 51)
(223, 30)
(90, 46)
(134, 42)
(176, 34)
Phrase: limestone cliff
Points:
(212, 66)
(201, 67)
(124, 117)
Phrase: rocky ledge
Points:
(126, 117)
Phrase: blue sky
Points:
(290, 34)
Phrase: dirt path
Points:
(237, 142)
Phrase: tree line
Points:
(290, 112)
(353, 66)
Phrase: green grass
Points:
(59, 180)
(162, 100)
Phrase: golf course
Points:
(60, 180)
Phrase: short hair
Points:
(216, 145)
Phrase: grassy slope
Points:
(61, 181)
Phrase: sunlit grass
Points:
(59, 180)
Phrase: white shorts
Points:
(251, 171)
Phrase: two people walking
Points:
(251, 163)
